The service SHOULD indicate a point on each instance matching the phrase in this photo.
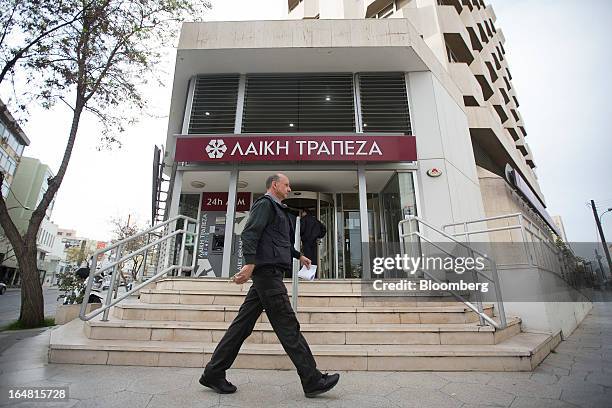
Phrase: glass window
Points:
(3, 159)
(12, 141)
(276, 103)
(11, 166)
(384, 102)
(5, 189)
(213, 109)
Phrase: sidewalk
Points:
(579, 374)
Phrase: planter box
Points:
(67, 313)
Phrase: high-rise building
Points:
(27, 189)
(12, 142)
(417, 94)
(397, 125)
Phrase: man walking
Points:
(268, 252)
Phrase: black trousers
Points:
(310, 250)
(267, 292)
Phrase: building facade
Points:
(376, 110)
(26, 191)
(12, 143)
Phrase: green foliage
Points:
(68, 284)
(95, 55)
(18, 325)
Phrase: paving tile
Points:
(585, 398)
(478, 394)
(416, 379)
(159, 384)
(358, 400)
(530, 402)
(545, 368)
(465, 377)
(526, 388)
(601, 379)
(255, 395)
(120, 399)
(350, 385)
(420, 398)
(185, 398)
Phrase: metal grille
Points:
(384, 103)
(276, 103)
(214, 104)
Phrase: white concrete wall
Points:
(443, 141)
(561, 307)
(331, 9)
(354, 9)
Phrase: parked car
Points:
(2, 288)
(94, 297)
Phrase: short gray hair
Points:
(271, 179)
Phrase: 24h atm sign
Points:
(247, 148)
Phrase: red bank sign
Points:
(244, 148)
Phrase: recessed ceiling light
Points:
(328, 98)
(197, 184)
(291, 125)
(365, 125)
(207, 113)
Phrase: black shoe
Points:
(219, 385)
(325, 383)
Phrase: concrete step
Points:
(330, 333)
(318, 299)
(428, 314)
(523, 352)
(224, 284)
(305, 287)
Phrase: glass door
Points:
(353, 262)
(326, 244)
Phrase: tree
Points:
(94, 56)
(7, 250)
(76, 255)
(123, 230)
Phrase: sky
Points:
(559, 59)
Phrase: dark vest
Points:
(275, 243)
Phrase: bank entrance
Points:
(359, 211)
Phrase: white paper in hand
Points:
(306, 273)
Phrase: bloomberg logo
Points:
(295, 148)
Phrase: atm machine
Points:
(212, 235)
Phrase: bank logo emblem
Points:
(216, 148)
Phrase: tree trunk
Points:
(32, 301)
(32, 313)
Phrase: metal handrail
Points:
(113, 265)
(478, 308)
(104, 308)
(294, 276)
(529, 234)
(547, 256)
(495, 278)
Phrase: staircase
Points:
(178, 322)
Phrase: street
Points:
(10, 303)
